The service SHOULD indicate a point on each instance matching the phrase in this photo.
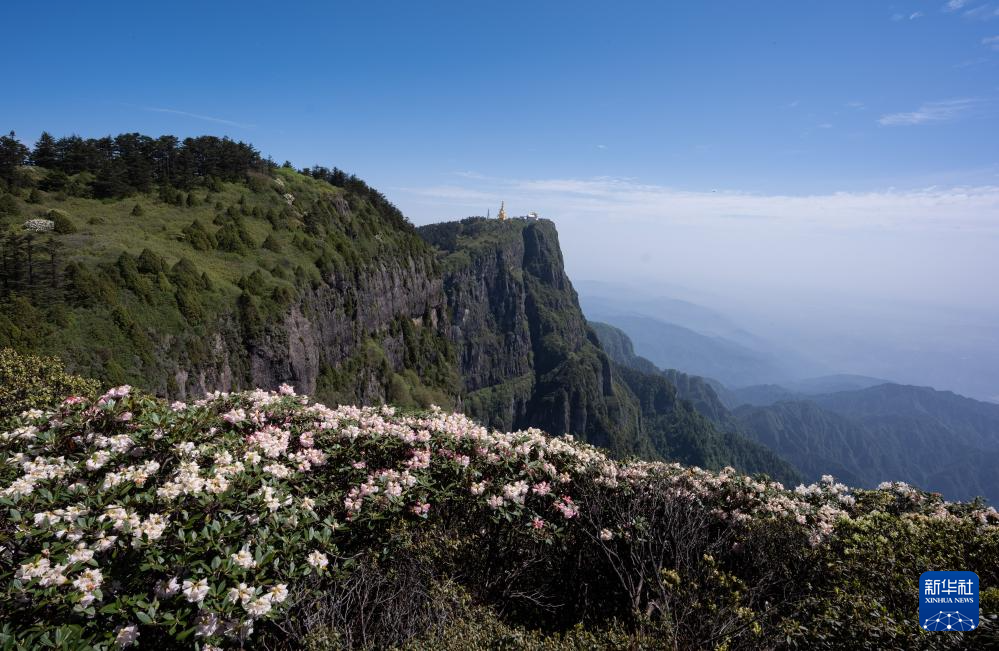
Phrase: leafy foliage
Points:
(33, 382)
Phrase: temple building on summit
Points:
(502, 216)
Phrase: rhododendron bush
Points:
(260, 519)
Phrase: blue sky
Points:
(776, 97)
(836, 159)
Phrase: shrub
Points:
(256, 519)
(33, 382)
(8, 205)
(198, 236)
(150, 262)
(137, 211)
(272, 244)
(61, 222)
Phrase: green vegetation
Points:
(32, 382)
(195, 271)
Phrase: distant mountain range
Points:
(768, 394)
(678, 334)
(861, 431)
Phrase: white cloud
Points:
(984, 12)
(991, 42)
(942, 111)
(915, 15)
(954, 5)
(196, 116)
(627, 200)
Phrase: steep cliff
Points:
(525, 354)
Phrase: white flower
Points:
(606, 534)
(195, 591)
(241, 593)
(126, 635)
(168, 588)
(278, 593)
(82, 554)
(258, 607)
(318, 560)
(278, 470)
(208, 624)
(98, 459)
(234, 416)
(104, 542)
(185, 449)
(89, 580)
(244, 559)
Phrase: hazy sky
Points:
(761, 150)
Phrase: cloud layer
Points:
(626, 200)
(942, 111)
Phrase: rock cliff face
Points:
(331, 324)
(524, 352)
(326, 327)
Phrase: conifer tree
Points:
(45, 153)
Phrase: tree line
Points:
(123, 165)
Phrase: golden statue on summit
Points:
(502, 213)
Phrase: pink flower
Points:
(567, 508)
(234, 416)
(420, 509)
(125, 417)
(538, 523)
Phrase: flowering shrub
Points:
(211, 523)
(39, 225)
(30, 381)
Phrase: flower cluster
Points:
(217, 508)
